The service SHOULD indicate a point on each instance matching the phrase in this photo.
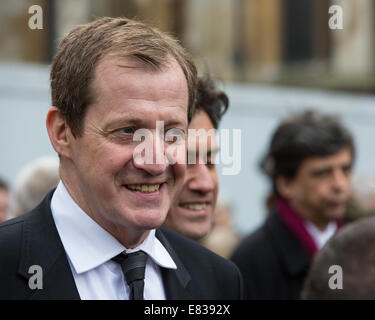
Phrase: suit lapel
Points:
(295, 258)
(41, 245)
(175, 281)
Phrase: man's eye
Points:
(322, 173)
(128, 130)
(174, 135)
(347, 170)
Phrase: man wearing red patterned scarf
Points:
(309, 162)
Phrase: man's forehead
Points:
(112, 61)
(126, 79)
(342, 157)
(113, 73)
(116, 63)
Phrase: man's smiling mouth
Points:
(144, 188)
(194, 206)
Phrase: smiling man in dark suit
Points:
(97, 235)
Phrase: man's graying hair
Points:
(79, 53)
(301, 136)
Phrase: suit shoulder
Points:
(193, 251)
(258, 247)
(10, 231)
(11, 237)
(180, 242)
(213, 277)
(252, 241)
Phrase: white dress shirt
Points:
(90, 248)
(321, 237)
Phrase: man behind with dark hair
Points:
(309, 163)
(345, 267)
(192, 212)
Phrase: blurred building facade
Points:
(284, 42)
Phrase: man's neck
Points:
(307, 215)
(320, 225)
(128, 237)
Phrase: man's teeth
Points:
(195, 206)
(146, 188)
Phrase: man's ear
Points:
(59, 132)
(285, 187)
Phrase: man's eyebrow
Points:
(174, 122)
(322, 169)
(327, 168)
(118, 123)
(139, 122)
(347, 166)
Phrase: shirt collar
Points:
(79, 235)
(321, 237)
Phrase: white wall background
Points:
(256, 110)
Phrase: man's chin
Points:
(196, 233)
(336, 214)
(150, 220)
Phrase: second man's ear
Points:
(285, 186)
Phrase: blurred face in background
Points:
(192, 213)
(4, 203)
(321, 189)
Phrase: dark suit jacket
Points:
(272, 261)
(32, 239)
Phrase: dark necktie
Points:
(133, 266)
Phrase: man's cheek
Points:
(176, 154)
(179, 171)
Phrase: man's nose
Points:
(153, 160)
(341, 180)
(202, 181)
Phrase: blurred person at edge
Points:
(309, 162)
(362, 201)
(344, 268)
(110, 79)
(4, 200)
(33, 183)
(192, 213)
